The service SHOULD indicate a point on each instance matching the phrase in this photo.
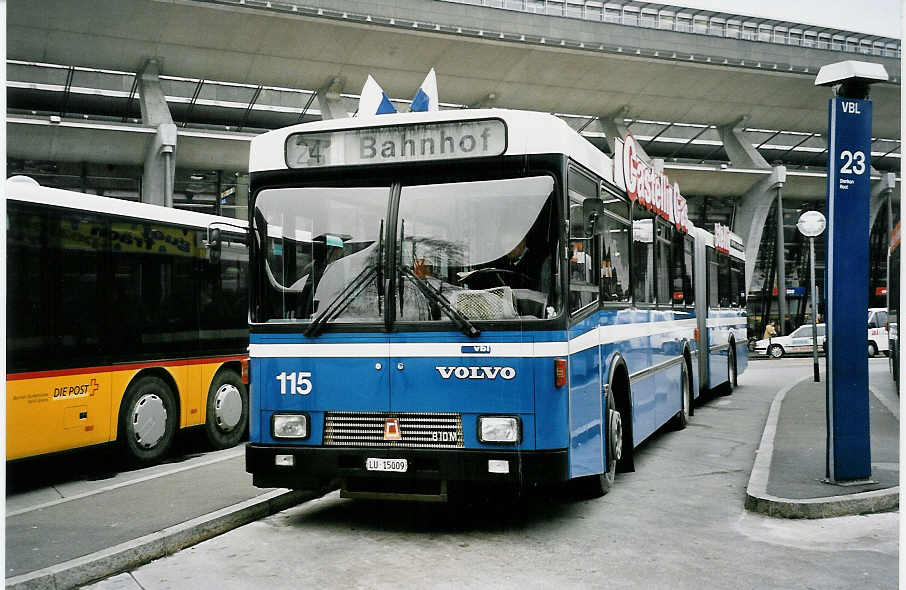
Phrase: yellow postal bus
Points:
(123, 324)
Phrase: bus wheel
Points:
(148, 419)
(681, 419)
(227, 413)
(731, 368)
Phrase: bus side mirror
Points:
(214, 245)
(591, 210)
(583, 219)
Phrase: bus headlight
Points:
(498, 429)
(289, 426)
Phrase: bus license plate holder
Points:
(381, 464)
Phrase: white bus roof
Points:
(528, 132)
(35, 193)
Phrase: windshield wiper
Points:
(343, 299)
(432, 293)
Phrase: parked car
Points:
(877, 331)
(799, 341)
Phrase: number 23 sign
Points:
(850, 141)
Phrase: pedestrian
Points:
(769, 332)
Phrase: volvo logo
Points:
(477, 372)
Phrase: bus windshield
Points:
(482, 250)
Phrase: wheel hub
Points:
(149, 420)
(227, 407)
(615, 425)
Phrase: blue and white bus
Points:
(471, 296)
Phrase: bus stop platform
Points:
(92, 530)
(788, 476)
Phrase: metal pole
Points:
(811, 250)
(781, 265)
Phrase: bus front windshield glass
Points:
(486, 249)
(320, 254)
(481, 250)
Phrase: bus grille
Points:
(417, 430)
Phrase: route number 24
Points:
(295, 383)
(853, 162)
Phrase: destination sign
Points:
(397, 144)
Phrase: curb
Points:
(759, 500)
(131, 554)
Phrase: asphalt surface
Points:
(100, 522)
(87, 527)
(678, 522)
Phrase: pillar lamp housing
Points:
(811, 224)
(851, 78)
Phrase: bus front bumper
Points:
(313, 468)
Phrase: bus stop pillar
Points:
(848, 196)
(160, 153)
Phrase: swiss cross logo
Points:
(392, 429)
(93, 384)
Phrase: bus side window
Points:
(583, 279)
(724, 288)
(713, 277)
(583, 290)
(614, 259)
(642, 255)
(681, 279)
(736, 281)
(664, 266)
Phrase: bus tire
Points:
(734, 366)
(148, 420)
(681, 419)
(731, 368)
(227, 411)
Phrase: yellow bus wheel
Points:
(148, 419)
(227, 413)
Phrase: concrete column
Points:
(330, 99)
(781, 264)
(880, 195)
(752, 211)
(739, 149)
(160, 153)
(614, 127)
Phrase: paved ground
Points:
(677, 522)
(80, 516)
(798, 465)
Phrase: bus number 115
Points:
(297, 383)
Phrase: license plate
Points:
(397, 465)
